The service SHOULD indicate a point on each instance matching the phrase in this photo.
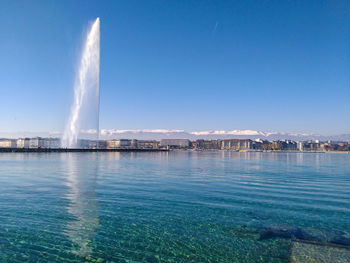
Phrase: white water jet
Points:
(83, 122)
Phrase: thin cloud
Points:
(215, 27)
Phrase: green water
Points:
(171, 207)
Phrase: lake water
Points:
(174, 207)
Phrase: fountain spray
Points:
(83, 121)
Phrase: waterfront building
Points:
(311, 145)
(206, 144)
(92, 144)
(83, 144)
(197, 144)
(53, 143)
(133, 144)
(275, 146)
(23, 143)
(119, 143)
(236, 144)
(288, 145)
(147, 144)
(211, 144)
(8, 143)
(37, 142)
(44, 143)
(324, 146)
(258, 144)
(300, 146)
(102, 144)
(175, 143)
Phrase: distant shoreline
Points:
(308, 151)
(48, 150)
(277, 151)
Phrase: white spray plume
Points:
(84, 113)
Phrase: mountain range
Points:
(217, 134)
(157, 134)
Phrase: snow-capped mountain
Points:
(216, 134)
(157, 134)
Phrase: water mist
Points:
(83, 122)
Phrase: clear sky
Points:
(192, 65)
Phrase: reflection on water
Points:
(83, 205)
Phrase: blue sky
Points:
(192, 65)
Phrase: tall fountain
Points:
(83, 122)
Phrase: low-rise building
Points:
(311, 145)
(300, 146)
(45, 143)
(102, 144)
(37, 142)
(175, 143)
(23, 143)
(147, 144)
(206, 144)
(212, 144)
(288, 145)
(83, 144)
(133, 143)
(258, 144)
(53, 143)
(236, 144)
(119, 143)
(8, 143)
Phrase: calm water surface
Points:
(171, 207)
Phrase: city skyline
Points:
(39, 144)
(181, 65)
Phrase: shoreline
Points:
(48, 150)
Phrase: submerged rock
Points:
(336, 237)
(290, 232)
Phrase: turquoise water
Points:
(170, 207)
